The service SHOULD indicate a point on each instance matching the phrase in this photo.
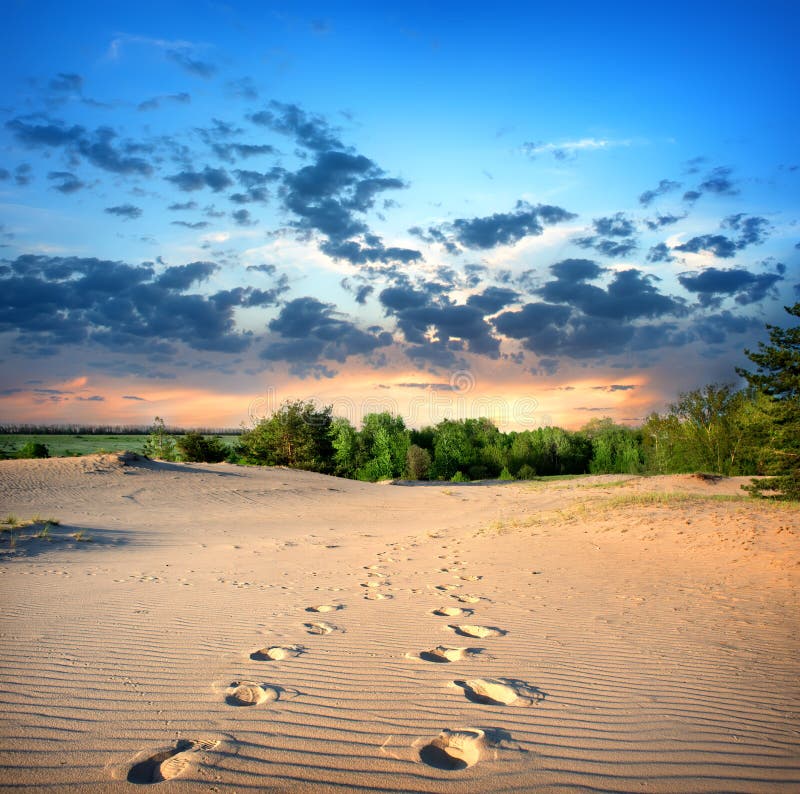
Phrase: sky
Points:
(540, 214)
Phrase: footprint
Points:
(168, 762)
(325, 608)
(249, 693)
(371, 595)
(451, 612)
(446, 587)
(373, 584)
(470, 578)
(276, 653)
(453, 750)
(500, 692)
(320, 628)
(466, 630)
(467, 599)
(442, 654)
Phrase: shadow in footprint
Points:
(167, 763)
(454, 750)
(480, 632)
(439, 758)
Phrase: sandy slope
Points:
(606, 643)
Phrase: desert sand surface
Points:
(225, 628)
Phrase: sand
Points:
(225, 628)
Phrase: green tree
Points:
(777, 376)
(159, 444)
(195, 447)
(297, 435)
(615, 449)
(452, 449)
(418, 463)
(383, 444)
(711, 435)
(344, 438)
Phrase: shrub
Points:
(459, 476)
(33, 449)
(418, 463)
(526, 472)
(505, 475)
(197, 448)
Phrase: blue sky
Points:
(542, 214)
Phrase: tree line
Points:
(716, 429)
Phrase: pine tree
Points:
(778, 376)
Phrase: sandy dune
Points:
(239, 629)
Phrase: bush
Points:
(505, 475)
(418, 463)
(526, 472)
(459, 476)
(197, 448)
(33, 449)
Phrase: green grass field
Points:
(61, 446)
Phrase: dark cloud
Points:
(309, 131)
(328, 195)
(4, 174)
(662, 220)
(66, 181)
(181, 277)
(125, 211)
(312, 331)
(712, 285)
(133, 397)
(502, 228)
(95, 398)
(753, 230)
(243, 218)
(664, 186)
(191, 65)
(154, 103)
(690, 196)
(718, 181)
(621, 247)
(660, 252)
(630, 294)
(714, 329)
(363, 292)
(492, 299)
(186, 205)
(192, 225)
(252, 179)
(717, 244)
(215, 178)
(231, 151)
(268, 270)
(617, 225)
(358, 254)
(100, 147)
(68, 83)
(430, 321)
(49, 302)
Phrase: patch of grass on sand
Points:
(666, 498)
